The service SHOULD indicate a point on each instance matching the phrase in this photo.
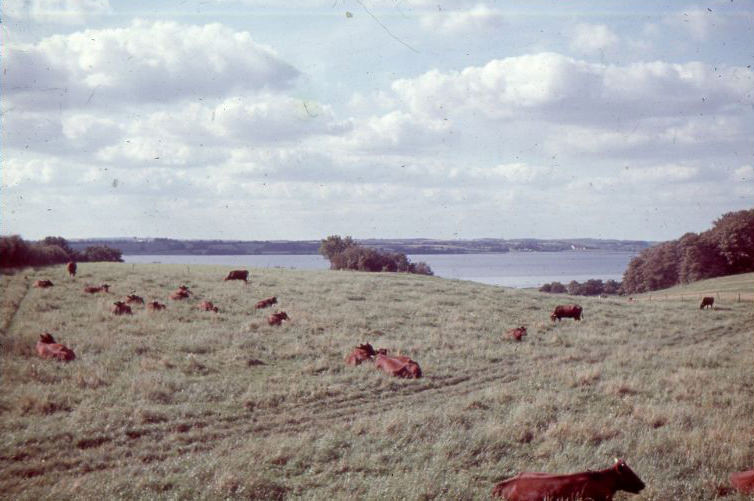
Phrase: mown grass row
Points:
(185, 404)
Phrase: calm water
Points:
(513, 269)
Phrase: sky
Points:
(242, 119)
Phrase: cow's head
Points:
(367, 348)
(553, 316)
(627, 479)
(46, 338)
(105, 287)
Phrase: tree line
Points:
(16, 252)
(725, 249)
(346, 254)
(592, 287)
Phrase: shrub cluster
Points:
(592, 287)
(346, 254)
(16, 252)
(725, 249)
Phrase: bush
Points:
(346, 254)
(15, 252)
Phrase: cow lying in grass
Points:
(517, 333)
(155, 306)
(593, 485)
(277, 318)
(264, 303)
(238, 275)
(360, 354)
(134, 299)
(743, 481)
(120, 308)
(182, 292)
(48, 348)
(398, 366)
(91, 289)
(208, 306)
(43, 284)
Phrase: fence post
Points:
(739, 298)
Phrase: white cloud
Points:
(698, 22)
(477, 19)
(396, 131)
(144, 62)
(589, 38)
(55, 11)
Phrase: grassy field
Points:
(184, 404)
(731, 288)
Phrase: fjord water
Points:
(512, 269)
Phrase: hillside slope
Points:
(726, 289)
(195, 405)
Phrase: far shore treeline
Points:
(15, 252)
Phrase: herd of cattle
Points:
(529, 486)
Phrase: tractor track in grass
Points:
(8, 302)
(172, 438)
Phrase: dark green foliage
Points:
(726, 249)
(16, 252)
(346, 254)
(592, 287)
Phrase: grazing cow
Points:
(567, 311)
(93, 290)
(182, 292)
(398, 366)
(43, 284)
(360, 354)
(208, 306)
(593, 485)
(516, 333)
(743, 481)
(48, 348)
(264, 303)
(155, 306)
(707, 301)
(120, 308)
(133, 298)
(71, 267)
(238, 275)
(277, 318)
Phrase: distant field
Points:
(185, 404)
(725, 290)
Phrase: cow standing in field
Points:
(43, 284)
(593, 485)
(238, 275)
(398, 366)
(93, 290)
(573, 311)
(517, 333)
(71, 267)
(120, 308)
(48, 348)
(155, 306)
(360, 354)
(264, 303)
(707, 302)
(277, 318)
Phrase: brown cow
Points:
(707, 301)
(208, 306)
(93, 290)
(120, 308)
(133, 298)
(182, 292)
(399, 366)
(743, 481)
(516, 333)
(277, 318)
(48, 348)
(238, 275)
(71, 267)
(360, 354)
(593, 485)
(264, 303)
(567, 311)
(43, 284)
(155, 306)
